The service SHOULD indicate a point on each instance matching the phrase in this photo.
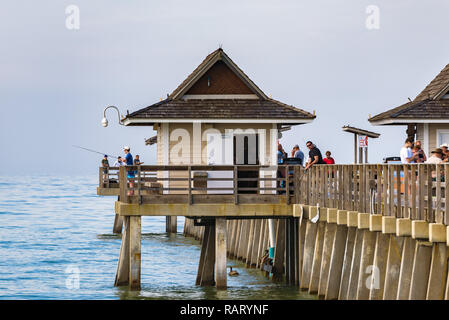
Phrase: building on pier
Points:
(217, 136)
(426, 117)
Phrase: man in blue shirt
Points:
(129, 160)
(298, 154)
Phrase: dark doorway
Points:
(246, 152)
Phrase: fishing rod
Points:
(90, 150)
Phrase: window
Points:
(442, 137)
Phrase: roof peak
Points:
(208, 62)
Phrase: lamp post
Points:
(105, 122)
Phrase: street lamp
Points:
(105, 122)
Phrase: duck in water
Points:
(233, 272)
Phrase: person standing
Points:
(137, 161)
(315, 156)
(418, 143)
(129, 160)
(130, 173)
(329, 159)
(298, 154)
(118, 162)
(436, 157)
(281, 154)
(105, 163)
(418, 154)
(406, 152)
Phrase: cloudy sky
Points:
(316, 55)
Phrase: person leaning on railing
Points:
(105, 165)
(315, 156)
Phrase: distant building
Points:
(426, 117)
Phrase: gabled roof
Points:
(437, 87)
(428, 105)
(208, 62)
(234, 105)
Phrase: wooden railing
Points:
(415, 191)
(109, 177)
(206, 184)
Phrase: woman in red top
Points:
(329, 159)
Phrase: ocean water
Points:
(56, 242)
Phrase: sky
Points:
(317, 55)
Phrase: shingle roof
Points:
(427, 105)
(425, 109)
(435, 87)
(221, 109)
(177, 107)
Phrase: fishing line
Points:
(90, 150)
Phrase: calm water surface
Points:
(52, 227)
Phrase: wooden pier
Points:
(342, 231)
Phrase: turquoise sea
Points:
(56, 242)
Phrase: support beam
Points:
(279, 251)
(118, 224)
(438, 272)
(134, 252)
(122, 276)
(336, 263)
(421, 270)
(317, 257)
(347, 262)
(205, 276)
(171, 224)
(309, 249)
(220, 253)
(394, 259)
(367, 257)
(405, 274)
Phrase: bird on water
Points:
(233, 272)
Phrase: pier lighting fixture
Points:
(105, 122)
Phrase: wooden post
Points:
(438, 272)
(367, 257)
(309, 249)
(249, 247)
(393, 267)
(329, 238)
(317, 256)
(336, 263)
(380, 262)
(355, 265)
(134, 252)
(421, 270)
(347, 262)
(405, 273)
(355, 148)
(220, 253)
(122, 276)
(279, 251)
(205, 275)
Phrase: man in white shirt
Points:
(436, 157)
(118, 162)
(406, 152)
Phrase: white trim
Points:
(426, 139)
(218, 96)
(406, 121)
(162, 120)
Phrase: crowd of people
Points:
(414, 153)
(315, 156)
